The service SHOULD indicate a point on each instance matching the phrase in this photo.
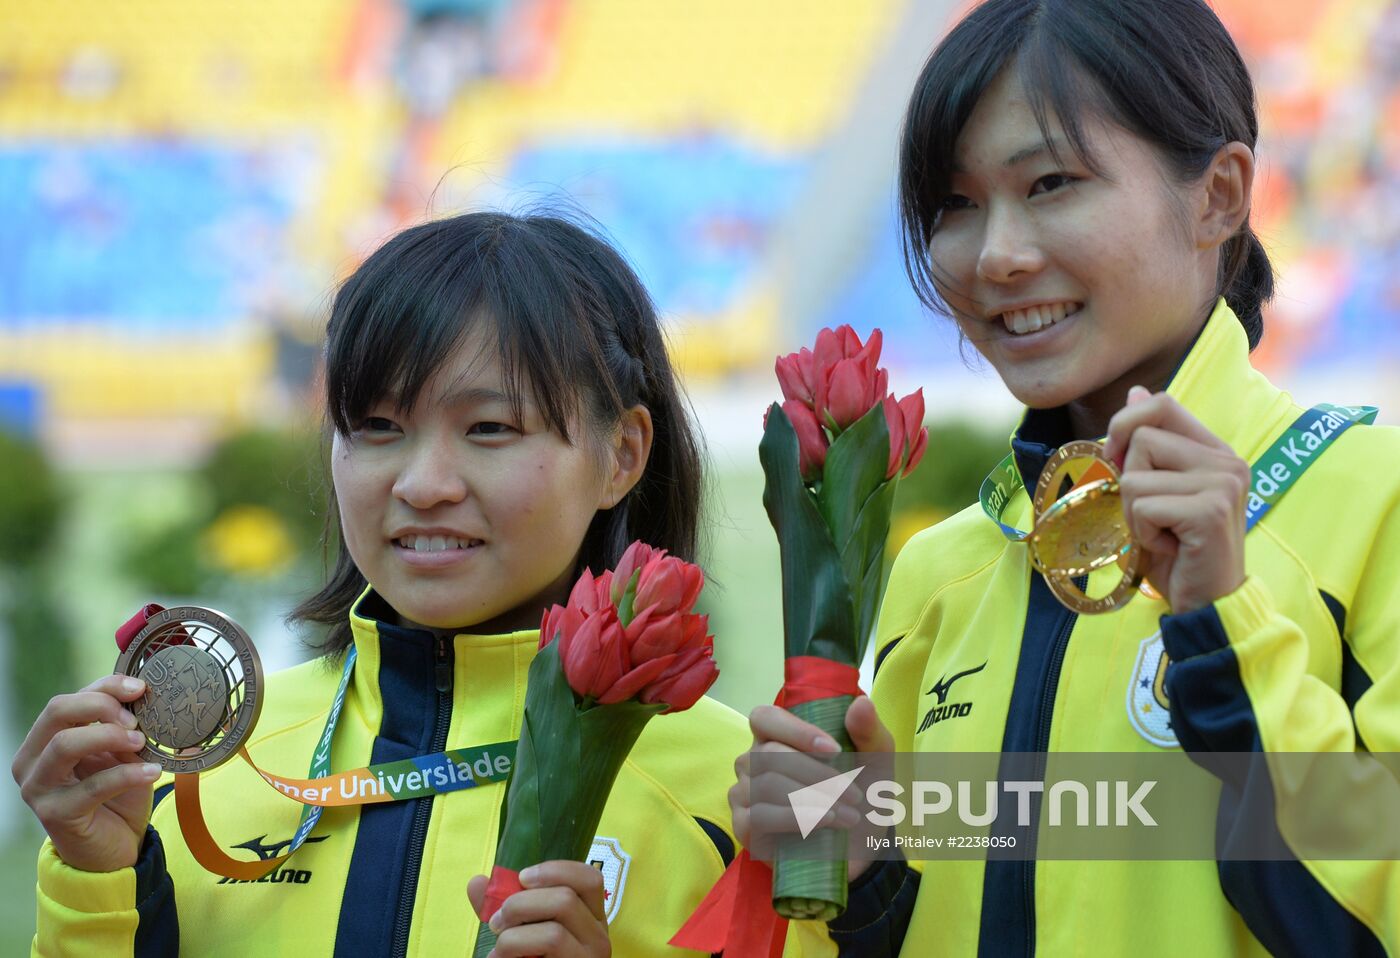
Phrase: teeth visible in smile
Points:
(435, 543)
(1022, 321)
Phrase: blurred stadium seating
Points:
(181, 184)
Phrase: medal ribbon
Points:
(447, 771)
(1274, 472)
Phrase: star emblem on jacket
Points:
(1149, 710)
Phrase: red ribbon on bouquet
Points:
(807, 678)
(737, 915)
(503, 883)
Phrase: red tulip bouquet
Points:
(832, 455)
(626, 647)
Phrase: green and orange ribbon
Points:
(442, 772)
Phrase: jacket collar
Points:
(1214, 381)
(404, 661)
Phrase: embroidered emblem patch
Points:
(1148, 709)
(607, 856)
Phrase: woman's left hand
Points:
(558, 915)
(1184, 493)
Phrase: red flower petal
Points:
(684, 681)
(848, 393)
(894, 420)
(696, 629)
(850, 342)
(811, 439)
(638, 554)
(560, 622)
(628, 685)
(669, 584)
(791, 380)
(656, 636)
(912, 408)
(580, 656)
(917, 453)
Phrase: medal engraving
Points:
(203, 687)
(1080, 528)
(187, 699)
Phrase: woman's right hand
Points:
(79, 771)
(777, 731)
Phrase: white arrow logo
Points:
(810, 804)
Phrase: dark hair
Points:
(573, 324)
(1166, 70)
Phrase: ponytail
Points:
(1247, 280)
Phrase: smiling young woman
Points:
(1075, 180)
(1073, 282)
(504, 416)
(454, 506)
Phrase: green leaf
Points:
(518, 844)
(818, 615)
(854, 471)
(627, 606)
(607, 734)
(547, 763)
(865, 559)
(871, 588)
(856, 500)
(565, 767)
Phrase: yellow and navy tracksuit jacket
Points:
(391, 879)
(1302, 657)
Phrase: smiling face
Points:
(1074, 285)
(460, 514)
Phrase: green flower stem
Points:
(813, 886)
(565, 764)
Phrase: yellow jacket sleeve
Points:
(106, 914)
(1240, 682)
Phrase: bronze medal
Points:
(203, 687)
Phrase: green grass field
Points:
(17, 858)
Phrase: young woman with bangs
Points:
(504, 416)
(1075, 182)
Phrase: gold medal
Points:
(203, 687)
(1080, 528)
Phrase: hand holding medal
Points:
(1172, 519)
(203, 685)
(1164, 498)
(186, 693)
(1184, 493)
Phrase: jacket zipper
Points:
(1048, 690)
(423, 812)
